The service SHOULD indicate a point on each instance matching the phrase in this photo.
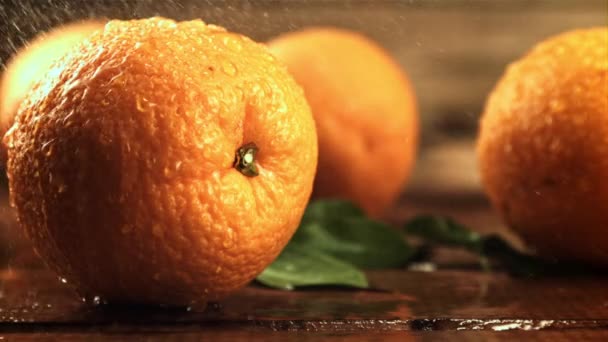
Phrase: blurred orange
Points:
(30, 63)
(543, 148)
(365, 113)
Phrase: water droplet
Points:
(139, 104)
(94, 300)
(270, 58)
(232, 43)
(197, 306)
(63, 280)
(229, 68)
(61, 188)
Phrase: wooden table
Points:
(455, 302)
(453, 305)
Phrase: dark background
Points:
(453, 50)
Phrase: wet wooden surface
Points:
(456, 302)
(459, 305)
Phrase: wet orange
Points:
(543, 148)
(30, 63)
(132, 165)
(365, 113)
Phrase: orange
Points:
(543, 148)
(162, 162)
(30, 63)
(365, 113)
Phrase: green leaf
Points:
(515, 262)
(300, 265)
(323, 209)
(443, 230)
(340, 229)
